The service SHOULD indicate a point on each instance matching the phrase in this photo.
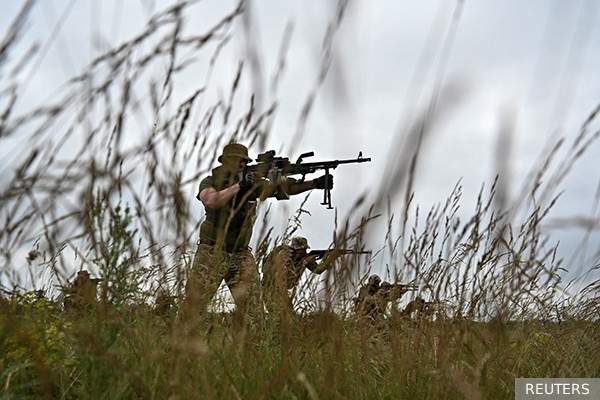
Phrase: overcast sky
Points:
(530, 67)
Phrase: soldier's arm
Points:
(317, 268)
(328, 259)
(281, 190)
(313, 266)
(214, 199)
(292, 186)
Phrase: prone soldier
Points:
(418, 308)
(374, 296)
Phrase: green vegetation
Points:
(129, 353)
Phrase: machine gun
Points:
(276, 168)
(321, 253)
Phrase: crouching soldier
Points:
(83, 292)
(283, 269)
(374, 296)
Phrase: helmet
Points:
(235, 150)
(299, 243)
(374, 280)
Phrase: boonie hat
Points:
(235, 150)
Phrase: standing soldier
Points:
(229, 197)
(283, 269)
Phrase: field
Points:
(101, 177)
(135, 353)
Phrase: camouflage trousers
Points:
(278, 299)
(239, 270)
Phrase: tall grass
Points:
(85, 190)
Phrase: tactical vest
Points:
(229, 227)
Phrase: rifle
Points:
(395, 289)
(275, 168)
(321, 253)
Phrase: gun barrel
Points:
(354, 160)
(302, 168)
(342, 251)
(401, 286)
(350, 251)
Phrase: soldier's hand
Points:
(249, 181)
(331, 255)
(320, 182)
